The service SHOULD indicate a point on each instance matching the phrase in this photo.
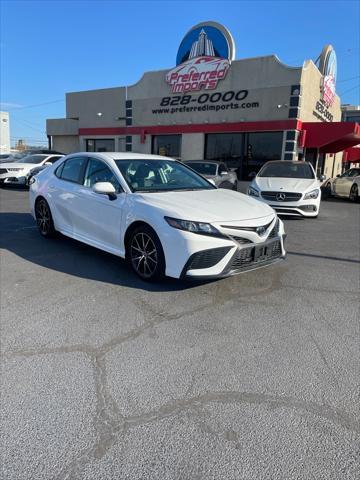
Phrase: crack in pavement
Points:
(111, 427)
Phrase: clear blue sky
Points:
(52, 47)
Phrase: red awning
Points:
(352, 155)
(331, 137)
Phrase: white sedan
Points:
(291, 188)
(347, 185)
(17, 173)
(158, 213)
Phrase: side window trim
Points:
(82, 170)
(120, 190)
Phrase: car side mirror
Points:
(322, 178)
(105, 188)
(338, 175)
(224, 172)
(252, 174)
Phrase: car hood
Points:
(27, 166)
(299, 185)
(206, 205)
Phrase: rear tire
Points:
(44, 219)
(145, 254)
(354, 194)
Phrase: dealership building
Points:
(211, 106)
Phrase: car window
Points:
(284, 169)
(160, 176)
(203, 168)
(98, 171)
(72, 171)
(222, 168)
(354, 172)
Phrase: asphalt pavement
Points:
(252, 377)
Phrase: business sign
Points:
(328, 67)
(203, 58)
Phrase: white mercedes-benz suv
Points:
(291, 188)
(158, 213)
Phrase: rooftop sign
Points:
(203, 58)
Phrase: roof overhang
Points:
(352, 155)
(331, 137)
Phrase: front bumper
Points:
(12, 179)
(302, 208)
(227, 261)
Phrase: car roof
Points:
(288, 162)
(123, 156)
(215, 162)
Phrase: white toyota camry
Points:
(291, 188)
(158, 213)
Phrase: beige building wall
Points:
(66, 143)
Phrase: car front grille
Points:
(3, 170)
(241, 240)
(275, 231)
(253, 256)
(207, 258)
(288, 196)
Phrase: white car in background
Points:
(17, 173)
(162, 216)
(290, 188)
(347, 185)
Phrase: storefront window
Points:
(225, 147)
(244, 152)
(260, 148)
(167, 145)
(100, 145)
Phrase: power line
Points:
(350, 89)
(36, 105)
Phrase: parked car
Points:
(35, 171)
(346, 185)
(16, 173)
(161, 215)
(291, 188)
(218, 172)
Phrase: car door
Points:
(343, 184)
(63, 189)
(100, 218)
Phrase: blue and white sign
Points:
(203, 58)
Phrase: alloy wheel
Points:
(43, 217)
(354, 193)
(144, 255)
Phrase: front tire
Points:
(145, 254)
(44, 219)
(354, 193)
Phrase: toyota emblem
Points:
(280, 197)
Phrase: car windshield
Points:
(32, 159)
(203, 168)
(287, 170)
(160, 176)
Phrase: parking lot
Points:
(249, 378)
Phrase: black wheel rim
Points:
(43, 217)
(144, 256)
(353, 193)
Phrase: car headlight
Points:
(313, 194)
(15, 169)
(253, 192)
(194, 227)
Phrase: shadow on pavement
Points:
(19, 235)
